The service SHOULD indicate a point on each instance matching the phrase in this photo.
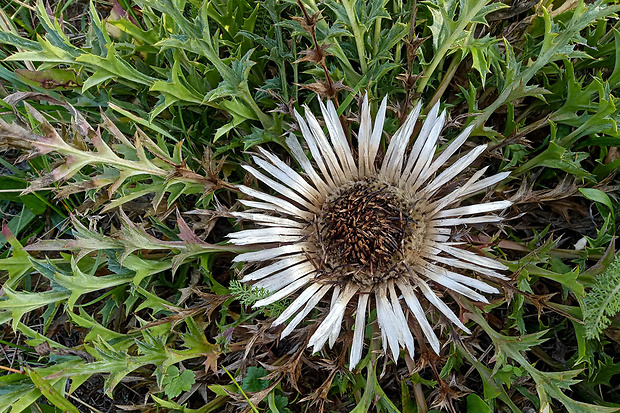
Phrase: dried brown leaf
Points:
(567, 187)
(13, 136)
(326, 89)
(316, 55)
(308, 22)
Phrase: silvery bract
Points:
(363, 236)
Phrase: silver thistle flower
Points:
(361, 233)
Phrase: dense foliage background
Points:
(124, 125)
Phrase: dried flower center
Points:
(363, 230)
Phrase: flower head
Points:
(366, 236)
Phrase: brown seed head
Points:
(364, 228)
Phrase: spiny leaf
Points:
(81, 283)
(449, 30)
(116, 170)
(19, 303)
(555, 156)
(548, 384)
(129, 239)
(556, 45)
(485, 54)
(19, 263)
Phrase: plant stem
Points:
(398, 10)
(420, 400)
(264, 119)
(295, 68)
(445, 81)
(377, 36)
(280, 41)
(357, 33)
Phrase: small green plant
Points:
(602, 302)
(176, 382)
(248, 295)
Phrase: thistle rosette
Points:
(371, 237)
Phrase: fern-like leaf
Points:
(602, 302)
(248, 295)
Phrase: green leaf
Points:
(604, 371)
(175, 383)
(485, 54)
(555, 156)
(19, 303)
(175, 90)
(115, 65)
(450, 29)
(140, 121)
(476, 405)
(19, 263)
(19, 222)
(87, 321)
(556, 45)
(148, 37)
(51, 393)
(568, 279)
(599, 196)
(100, 76)
(54, 79)
(602, 302)
(252, 381)
(277, 404)
(548, 384)
(14, 40)
(81, 283)
(47, 53)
